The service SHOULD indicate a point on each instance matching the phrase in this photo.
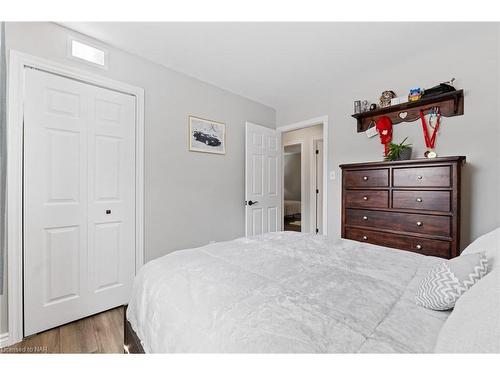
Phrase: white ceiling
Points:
(271, 63)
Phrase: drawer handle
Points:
(365, 178)
(419, 200)
(419, 177)
(365, 238)
(365, 218)
(419, 247)
(365, 198)
(419, 223)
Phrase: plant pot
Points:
(405, 154)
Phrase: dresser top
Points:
(405, 162)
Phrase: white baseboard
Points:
(4, 339)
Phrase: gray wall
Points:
(190, 198)
(473, 58)
(291, 165)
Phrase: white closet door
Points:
(111, 213)
(55, 200)
(262, 180)
(78, 163)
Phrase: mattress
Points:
(292, 207)
(284, 292)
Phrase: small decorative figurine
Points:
(415, 94)
(385, 98)
(364, 105)
(373, 107)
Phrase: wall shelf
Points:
(450, 103)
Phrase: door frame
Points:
(322, 120)
(314, 178)
(302, 182)
(18, 61)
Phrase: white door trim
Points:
(313, 195)
(16, 83)
(4, 339)
(306, 124)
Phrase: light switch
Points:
(332, 175)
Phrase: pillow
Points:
(474, 324)
(446, 282)
(489, 243)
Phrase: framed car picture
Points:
(207, 136)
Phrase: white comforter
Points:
(284, 292)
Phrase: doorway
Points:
(292, 187)
(303, 195)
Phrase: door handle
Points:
(251, 203)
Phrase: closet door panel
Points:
(55, 200)
(111, 219)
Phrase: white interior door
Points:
(262, 180)
(79, 195)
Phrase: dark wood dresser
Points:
(410, 205)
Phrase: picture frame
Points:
(206, 136)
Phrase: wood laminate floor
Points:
(100, 333)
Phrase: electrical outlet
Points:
(332, 175)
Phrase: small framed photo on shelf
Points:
(207, 136)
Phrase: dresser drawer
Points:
(367, 178)
(424, 224)
(438, 176)
(367, 198)
(418, 245)
(422, 200)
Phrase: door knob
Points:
(365, 198)
(365, 238)
(419, 223)
(419, 200)
(251, 203)
(365, 178)
(419, 247)
(108, 212)
(365, 218)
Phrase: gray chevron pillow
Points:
(445, 283)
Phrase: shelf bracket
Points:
(455, 105)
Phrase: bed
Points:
(292, 208)
(284, 292)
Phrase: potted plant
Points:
(399, 151)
